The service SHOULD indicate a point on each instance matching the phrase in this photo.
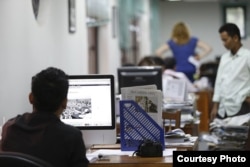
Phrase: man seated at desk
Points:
(41, 133)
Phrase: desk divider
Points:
(137, 126)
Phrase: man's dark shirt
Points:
(43, 135)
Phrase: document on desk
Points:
(191, 142)
(108, 152)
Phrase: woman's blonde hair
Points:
(180, 33)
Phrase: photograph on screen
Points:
(77, 109)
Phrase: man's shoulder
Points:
(12, 120)
(67, 132)
(225, 56)
(227, 53)
(66, 127)
(244, 50)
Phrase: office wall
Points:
(203, 18)
(108, 42)
(27, 46)
(144, 35)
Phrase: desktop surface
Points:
(190, 145)
(117, 159)
(128, 161)
(135, 161)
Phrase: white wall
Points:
(27, 46)
(144, 34)
(108, 45)
(203, 18)
(108, 50)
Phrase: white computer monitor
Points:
(91, 108)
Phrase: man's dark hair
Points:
(170, 63)
(49, 88)
(146, 61)
(151, 60)
(231, 29)
(157, 60)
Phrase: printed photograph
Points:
(147, 104)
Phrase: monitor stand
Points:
(92, 137)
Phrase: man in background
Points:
(232, 87)
(170, 73)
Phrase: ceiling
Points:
(229, 1)
(201, 0)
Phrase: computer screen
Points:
(139, 75)
(91, 107)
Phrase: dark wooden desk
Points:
(127, 161)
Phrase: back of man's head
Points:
(170, 63)
(49, 88)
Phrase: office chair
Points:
(14, 159)
(175, 115)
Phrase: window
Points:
(236, 14)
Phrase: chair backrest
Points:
(173, 115)
(14, 159)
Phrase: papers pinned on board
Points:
(175, 91)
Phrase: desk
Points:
(127, 161)
(191, 126)
(178, 146)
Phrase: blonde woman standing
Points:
(183, 47)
